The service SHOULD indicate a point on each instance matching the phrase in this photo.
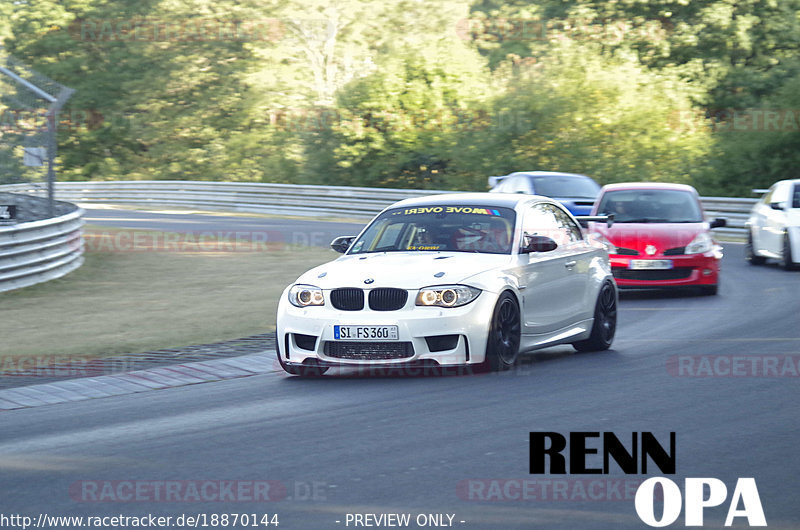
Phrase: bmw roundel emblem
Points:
(368, 281)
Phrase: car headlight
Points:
(700, 244)
(596, 238)
(447, 295)
(305, 295)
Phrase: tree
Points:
(759, 145)
(396, 127)
(579, 110)
(159, 84)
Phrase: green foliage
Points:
(580, 111)
(759, 145)
(396, 126)
(417, 94)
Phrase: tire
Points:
(787, 260)
(750, 254)
(605, 322)
(502, 345)
(302, 371)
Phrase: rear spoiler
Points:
(494, 180)
(759, 191)
(584, 220)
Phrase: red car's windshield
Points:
(651, 206)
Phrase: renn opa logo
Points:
(547, 456)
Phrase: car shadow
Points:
(775, 265)
(653, 294)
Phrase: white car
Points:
(468, 279)
(773, 229)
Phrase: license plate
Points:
(650, 264)
(365, 332)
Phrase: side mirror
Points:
(719, 223)
(776, 205)
(538, 244)
(342, 243)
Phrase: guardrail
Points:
(38, 251)
(735, 210)
(293, 199)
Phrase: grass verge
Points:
(134, 301)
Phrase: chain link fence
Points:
(29, 107)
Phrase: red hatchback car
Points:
(659, 238)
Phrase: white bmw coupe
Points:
(773, 229)
(467, 279)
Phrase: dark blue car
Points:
(576, 192)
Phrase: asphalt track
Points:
(273, 229)
(419, 445)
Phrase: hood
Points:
(404, 270)
(638, 236)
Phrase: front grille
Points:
(387, 299)
(369, 351)
(675, 251)
(622, 251)
(348, 299)
(679, 273)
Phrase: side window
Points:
(796, 196)
(573, 230)
(780, 193)
(540, 220)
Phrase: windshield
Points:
(651, 206)
(565, 187)
(454, 228)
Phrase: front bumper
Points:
(421, 368)
(306, 335)
(687, 270)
